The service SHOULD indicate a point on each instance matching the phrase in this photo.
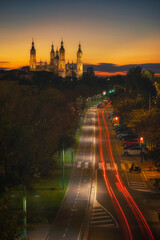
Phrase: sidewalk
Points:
(40, 233)
(149, 171)
(151, 175)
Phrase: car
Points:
(132, 146)
(100, 105)
(132, 136)
(127, 134)
(130, 142)
(121, 129)
(135, 151)
(123, 134)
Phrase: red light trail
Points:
(117, 206)
(144, 227)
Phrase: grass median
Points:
(45, 196)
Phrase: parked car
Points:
(130, 142)
(132, 146)
(127, 134)
(99, 105)
(123, 134)
(135, 151)
(121, 129)
(132, 136)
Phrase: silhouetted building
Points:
(57, 62)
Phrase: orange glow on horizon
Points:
(105, 74)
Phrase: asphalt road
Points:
(70, 220)
(123, 195)
(104, 200)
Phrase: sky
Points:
(115, 32)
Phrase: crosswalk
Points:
(152, 174)
(101, 218)
(139, 185)
(107, 166)
(135, 183)
(92, 109)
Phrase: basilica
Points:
(57, 62)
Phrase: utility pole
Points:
(25, 212)
(141, 142)
(149, 103)
(63, 166)
(72, 156)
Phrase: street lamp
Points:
(25, 212)
(116, 120)
(63, 166)
(141, 142)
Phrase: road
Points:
(104, 200)
(70, 220)
(123, 195)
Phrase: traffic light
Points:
(141, 139)
(111, 91)
(104, 93)
(116, 119)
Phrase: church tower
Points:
(79, 62)
(56, 62)
(62, 61)
(32, 58)
(52, 55)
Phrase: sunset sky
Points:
(119, 32)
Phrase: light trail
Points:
(133, 206)
(117, 206)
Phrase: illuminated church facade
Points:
(57, 62)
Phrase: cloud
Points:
(4, 62)
(113, 68)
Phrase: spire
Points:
(52, 48)
(62, 44)
(32, 49)
(57, 53)
(79, 50)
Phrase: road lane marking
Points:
(108, 166)
(100, 165)
(102, 221)
(86, 164)
(99, 217)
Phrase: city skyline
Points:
(117, 33)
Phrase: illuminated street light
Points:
(141, 141)
(25, 212)
(111, 91)
(116, 120)
(63, 166)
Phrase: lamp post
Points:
(25, 212)
(72, 153)
(141, 141)
(116, 120)
(63, 166)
